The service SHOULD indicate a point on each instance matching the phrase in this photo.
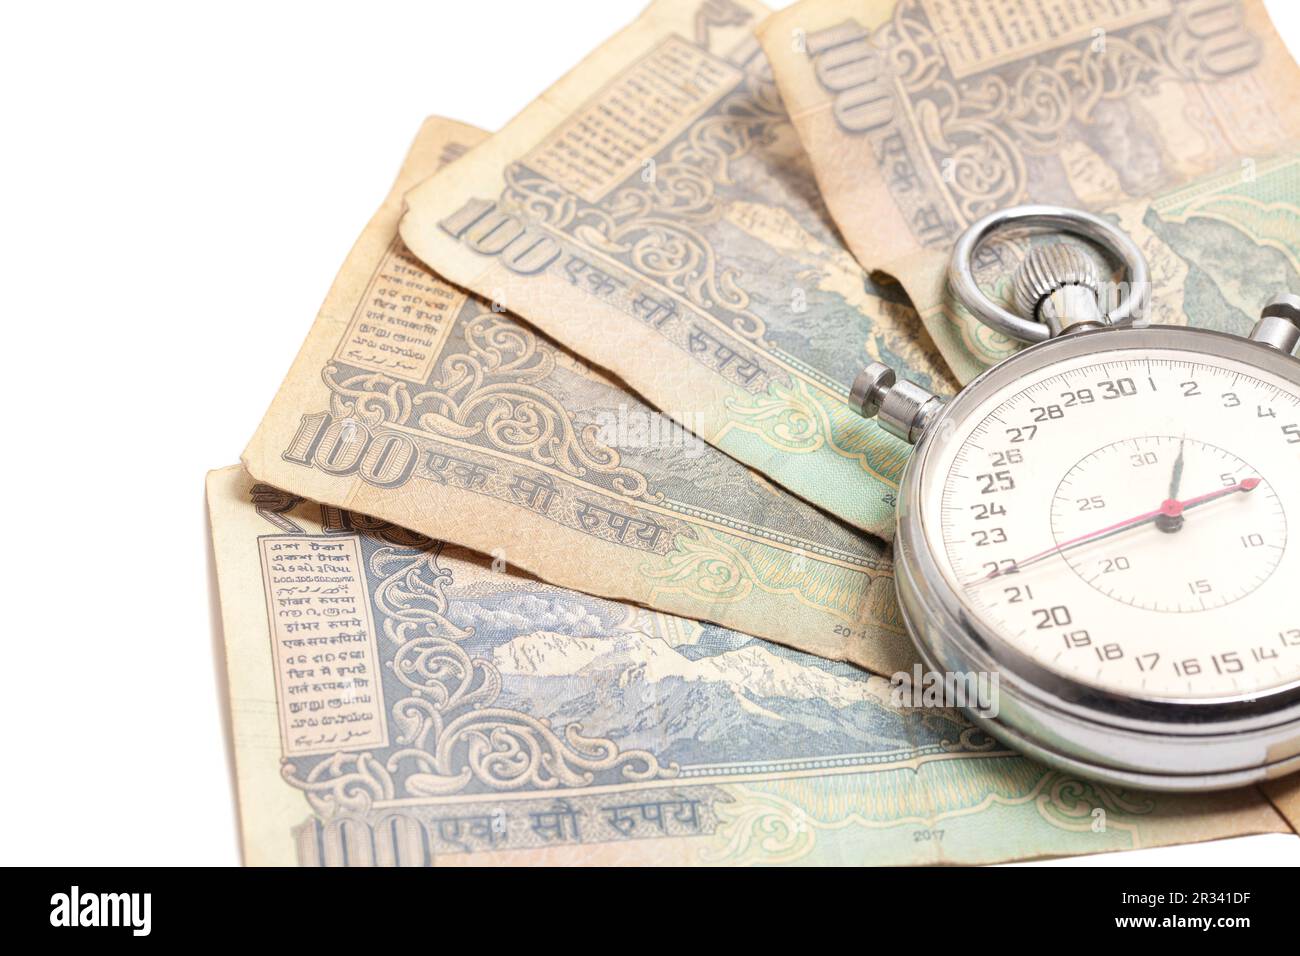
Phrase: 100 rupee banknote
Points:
(921, 116)
(419, 403)
(654, 211)
(398, 701)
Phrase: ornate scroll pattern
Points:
(652, 222)
(705, 568)
(797, 421)
(411, 597)
(490, 394)
(791, 419)
(371, 398)
(1071, 803)
(451, 733)
(763, 828)
(343, 782)
(488, 391)
(511, 751)
(713, 572)
(970, 739)
(979, 129)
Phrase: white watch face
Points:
(1123, 519)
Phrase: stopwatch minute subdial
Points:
(1169, 550)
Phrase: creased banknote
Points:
(920, 116)
(418, 403)
(655, 212)
(395, 700)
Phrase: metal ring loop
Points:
(961, 276)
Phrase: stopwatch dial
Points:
(1124, 522)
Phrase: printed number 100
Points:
(347, 447)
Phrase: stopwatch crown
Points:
(1057, 285)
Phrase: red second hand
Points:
(1170, 508)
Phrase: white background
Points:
(178, 179)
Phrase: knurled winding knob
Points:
(1057, 284)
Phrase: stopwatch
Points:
(1104, 522)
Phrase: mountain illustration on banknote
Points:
(701, 703)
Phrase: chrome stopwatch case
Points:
(1104, 521)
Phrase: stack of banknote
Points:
(559, 542)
